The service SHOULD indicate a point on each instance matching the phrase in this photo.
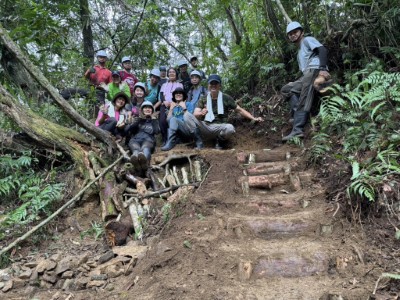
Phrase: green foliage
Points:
(27, 193)
(363, 117)
(166, 212)
(96, 230)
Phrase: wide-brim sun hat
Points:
(121, 94)
(179, 90)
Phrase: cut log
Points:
(264, 181)
(197, 170)
(109, 193)
(269, 168)
(185, 175)
(135, 220)
(116, 233)
(181, 193)
(242, 157)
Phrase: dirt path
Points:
(275, 241)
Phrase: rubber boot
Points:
(300, 120)
(143, 163)
(294, 103)
(134, 158)
(198, 139)
(171, 142)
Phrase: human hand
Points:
(104, 109)
(204, 111)
(325, 74)
(120, 124)
(182, 104)
(258, 119)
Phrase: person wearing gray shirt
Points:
(312, 59)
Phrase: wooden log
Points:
(94, 162)
(242, 157)
(171, 180)
(185, 175)
(265, 181)
(135, 220)
(176, 176)
(181, 193)
(269, 168)
(295, 182)
(116, 233)
(107, 193)
(154, 180)
(197, 170)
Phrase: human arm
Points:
(170, 111)
(323, 61)
(244, 113)
(102, 115)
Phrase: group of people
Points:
(175, 103)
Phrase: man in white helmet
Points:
(127, 74)
(312, 59)
(99, 76)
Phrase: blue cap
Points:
(214, 77)
(116, 73)
(163, 68)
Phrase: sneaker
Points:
(143, 163)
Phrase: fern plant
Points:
(28, 195)
(363, 116)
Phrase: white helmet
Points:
(101, 53)
(292, 26)
(182, 62)
(195, 72)
(155, 72)
(147, 103)
(125, 58)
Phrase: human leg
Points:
(172, 132)
(109, 125)
(163, 123)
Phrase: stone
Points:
(245, 270)
(113, 271)
(18, 283)
(8, 285)
(5, 277)
(82, 259)
(64, 265)
(25, 275)
(56, 257)
(50, 277)
(86, 267)
(45, 265)
(95, 283)
(45, 285)
(68, 284)
(106, 257)
(34, 275)
(67, 275)
(80, 283)
(2, 284)
(31, 264)
(91, 263)
(59, 284)
(99, 277)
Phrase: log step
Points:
(301, 223)
(270, 168)
(263, 156)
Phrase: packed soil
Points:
(281, 241)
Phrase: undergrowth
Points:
(362, 118)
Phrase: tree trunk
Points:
(42, 80)
(88, 48)
(236, 33)
(46, 133)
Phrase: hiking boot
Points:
(143, 163)
(134, 158)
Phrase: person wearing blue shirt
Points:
(176, 121)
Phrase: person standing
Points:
(99, 76)
(194, 62)
(183, 75)
(312, 59)
(166, 99)
(153, 88)
(116, 86)
(163, 75)
(127, 74)
(213, 111)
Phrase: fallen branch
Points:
(123, 152)
(173, 157)
(205, 176)
(44, 222)
(158, 193)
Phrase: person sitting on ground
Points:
(111, 116)
(213, 111)
(312, 59)
(143, 141)
(194, 62)
(183, 75)
(153, 88)
(196, 91)
(99, 75)
(166, 100)
(127, 74)
(177, 126)
(163, 75)
(116, 86)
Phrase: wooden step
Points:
(270, 168)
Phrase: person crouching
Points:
(143, 141)
(176, 121)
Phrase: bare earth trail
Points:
(278, 239)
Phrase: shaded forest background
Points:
(355, 136)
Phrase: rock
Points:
(2, 284)
(25, 275)
(83, 258)
(86, 267)
(99, 277)
(68, 284)
(110, 287)
(67, 275)
(34, 275)
(95, 283)
(8, 285)
(64, 265)
(18, 283)
(50, 277)
(91, 263)
(162, 248)
(45, 265)
(56, 257)
(80, 283)
(245, 270)
(106, 257)
(5, 276)
(45, 285)
(59, 284)
(114, 271)
(31, 264)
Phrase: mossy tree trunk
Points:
(47, 133)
